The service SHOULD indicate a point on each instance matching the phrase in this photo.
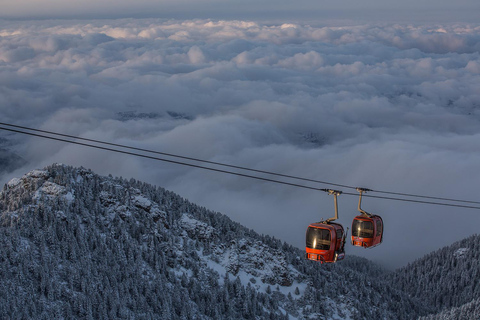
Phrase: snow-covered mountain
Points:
(77, 245)
(467, 311)
(447, 279)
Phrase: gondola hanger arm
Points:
(335, 193)
(361, 191)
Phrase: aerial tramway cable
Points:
(229, 166)
(235, 166)
(181, 157)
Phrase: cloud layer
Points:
(389, 107)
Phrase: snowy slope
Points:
(467, 311)
(77, 245)
(446, 278)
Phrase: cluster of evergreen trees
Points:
(445, 279)
(468, 311)
(100, 254)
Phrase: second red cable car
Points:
(367, 229)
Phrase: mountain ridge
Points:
(78, 245)
(447, 278)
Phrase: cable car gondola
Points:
(367, 229)
(325, 240)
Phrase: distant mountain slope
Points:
(77, 245)
(468, 311)
(446, 278)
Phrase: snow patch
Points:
(195, 228)
(37, 174)
(14, 183)
(142, 202)
(51, 190)
(461, 252)
(69, 196)
(27, 179)
(24, 244)
(79, 179)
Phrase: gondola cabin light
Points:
(325, 242)
(367, 231)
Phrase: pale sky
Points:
(384, 10)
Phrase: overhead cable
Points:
(237, 167)
(180, 157)
(215, 169)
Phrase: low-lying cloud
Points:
(389, 107)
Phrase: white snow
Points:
(24, 244)
(69, 196)
(50, 189)
(142, 202)
(461, 252)
(36, 174)
(199, 228)
(246, 274)
(189, 221)
(61, 214)
(14, 182)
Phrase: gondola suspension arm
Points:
(335, 194)
(361, 191)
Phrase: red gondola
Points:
(325, 240)
(367, 229)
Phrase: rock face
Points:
(77, 245)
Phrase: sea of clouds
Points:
(390, 107)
